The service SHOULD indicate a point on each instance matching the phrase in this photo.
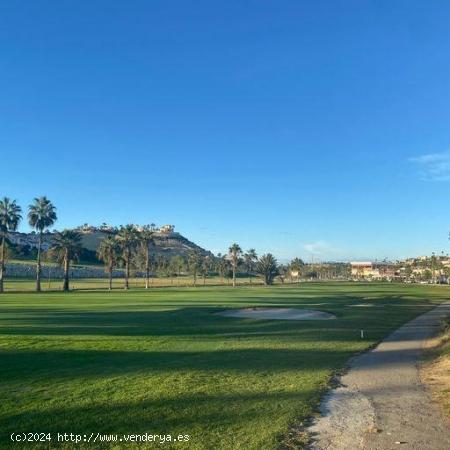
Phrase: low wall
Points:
(55, 272)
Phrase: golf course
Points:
(165, 361)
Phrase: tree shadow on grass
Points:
(208, 418)
(22, 366)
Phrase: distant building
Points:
(167, 229)
(86, 228)
(364, 270)
(373, 270)
(445, 262)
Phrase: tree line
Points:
(130, 248)
(134, 248)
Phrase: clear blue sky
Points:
(303, 128)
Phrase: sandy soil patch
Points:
(435, 370)
(278, 314)
(437, 377)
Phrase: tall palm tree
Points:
(267, 266)
(249, 258)
(66, 246)
(234, 252)
(41, 215)
(146, 238)
(107, 252)
(10, 216)
(127, 239)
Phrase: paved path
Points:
(381, 403)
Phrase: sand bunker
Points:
(278, 314)
(366, 305)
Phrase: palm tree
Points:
(234, 252)
(127, 238)
(66, 246)
(107, 252)
(10, 216)
(194, 262)
(172, 268)
(176, 265)
(146, 238)
(267, 266)
(222, 265)
(205, 268)
(249, 258)
(41, 215)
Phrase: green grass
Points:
(163, 362)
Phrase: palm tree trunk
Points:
(127, 272)
(38, 263)
(147, 267)
(234, 276)
(195, 279)
(110, 271)
(2, 263)
(66, 273)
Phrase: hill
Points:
(167, 243)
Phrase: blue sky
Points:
(304, 128)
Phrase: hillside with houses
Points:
(166, 241)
